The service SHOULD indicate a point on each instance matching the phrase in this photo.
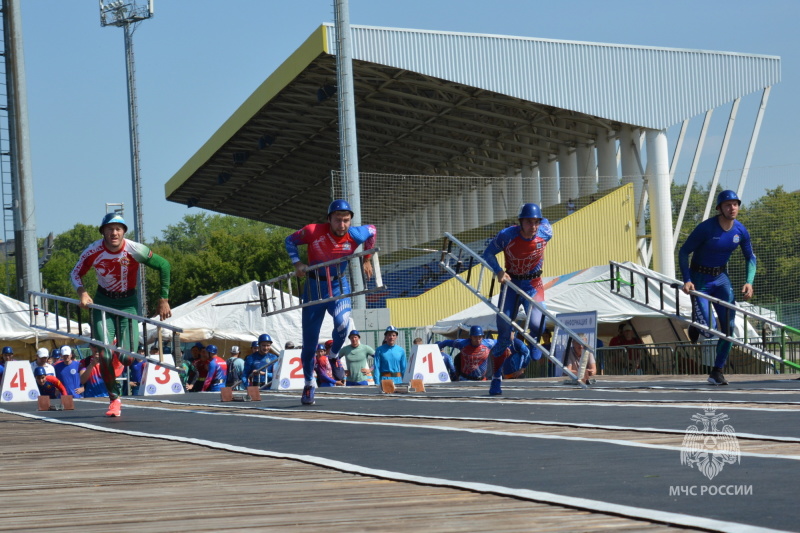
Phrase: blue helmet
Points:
(391, 329)
(211, 348)
(354, 333)
(254, 344)
(7, 350)
(340, 205)
(724, 196)
(321, 347)
(39, 371)
(113, 218)
(264, 338)
(55, 353)
(530, 211)
(476, 331)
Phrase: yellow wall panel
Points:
(603, 231)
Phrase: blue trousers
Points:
(313, 315)
(719, 287)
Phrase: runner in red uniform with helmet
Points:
(116, 262)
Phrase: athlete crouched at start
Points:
(473, 360)
(48, 385)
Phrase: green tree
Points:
(773, 222)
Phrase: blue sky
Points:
(198, 60)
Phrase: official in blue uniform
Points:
(390, 359)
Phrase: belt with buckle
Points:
(711, 271)
(313, 275)
(114, 295)
(533, 275)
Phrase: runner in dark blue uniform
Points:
(711, 244)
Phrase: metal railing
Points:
(651, 290)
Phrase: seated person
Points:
(322, 367)
(572, 361)
(473, 360)
(627, 337)
(48, 385)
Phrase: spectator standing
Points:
(217, 370)
(68, 372)
(253, 366)
(357, 355)
(42, 355)
(390, 358)
(235, 377)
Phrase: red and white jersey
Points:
(116, 271)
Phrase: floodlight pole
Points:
(348, 146)
(127, 14)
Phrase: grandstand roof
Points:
(443, 103)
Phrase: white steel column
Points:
(587, 166)
(567, 173)
(457, 211)
(608, 177)
(753, 139)
(660, 202)
(712, 189)
(548, 177)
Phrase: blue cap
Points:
(390, 329)
(354, 332)
(198, 345)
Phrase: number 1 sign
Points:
(426, 363)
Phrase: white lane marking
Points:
(639, 513)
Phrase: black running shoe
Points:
(716, 377)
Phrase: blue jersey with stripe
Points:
(712, 246)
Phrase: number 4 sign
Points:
(426, 363)
(157, 380)
(288, 372)
(18, 383)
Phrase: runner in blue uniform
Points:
(711, 244)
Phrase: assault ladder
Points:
(652, 289)
(279, 290)
(454, 256)
(56, 311)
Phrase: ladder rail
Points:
(116, 315)
(351, 263)
(677, 286)
(447, 254)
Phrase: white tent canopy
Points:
(204, 319)
(589, 290)
(15, 325)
